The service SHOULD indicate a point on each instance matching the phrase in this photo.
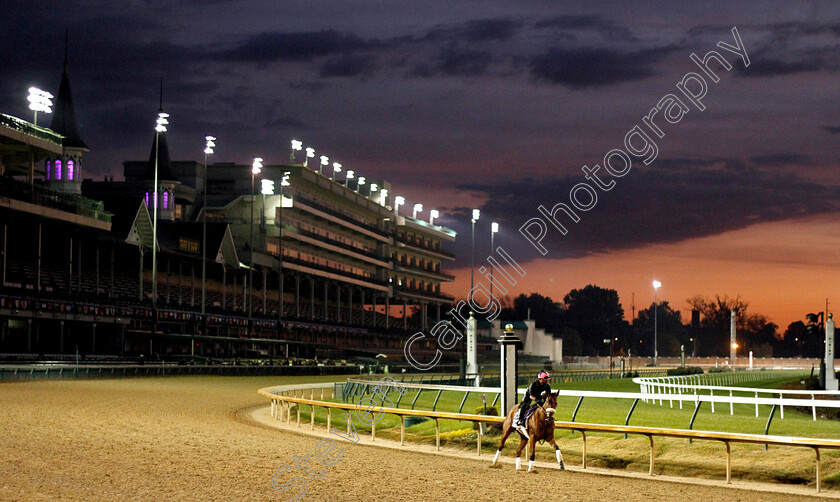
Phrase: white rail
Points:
(692, 387)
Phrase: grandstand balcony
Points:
(37, 200)
(428, 271)
(310, 206)
(423, 294)
(419, 246)
(334, 245)
(335, 272)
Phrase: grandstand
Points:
(336, 271)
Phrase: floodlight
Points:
(267, 187)
(434, 213)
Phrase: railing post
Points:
(728, 463)
(312, 419)
(817, 451)
(402, 430)
(478, 443)
(650, 437)
(437, 434)
(583, 459)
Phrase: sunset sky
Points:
(496, 106)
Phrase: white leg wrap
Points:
(518, 463)
(498, 452)
(530, 465)
(557, 454)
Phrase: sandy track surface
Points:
(185, 438)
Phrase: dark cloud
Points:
(582, 23)
(349, 65)
(269, 47)
(831, 129)
(775, 67)
(781, 159)
(595, 67)
(482, 30)
(654, 205)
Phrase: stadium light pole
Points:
(434, 213)
(349, 175)
(494, 227)
(39, 101)
(310, 154)
(208, 150)
(656, 286)
(284, 182)
(360, 181)
(325, 161)
(418, 208)
(160, 126)
(336, 170)
(475, 214)
(256, 168)
(399, 200)
(296, 146)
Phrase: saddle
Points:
(530, 411)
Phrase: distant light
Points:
(361, 180)
(296, 145)
(494, 227)
(399, 200)
(162, 122)
(267, 187)
(40, 101)
(350, 174)
(256, 167)
(336, 167)
(211, 143)
(285, 180)
(374, 187)
(656, 284)
(310, 152)
(434, 213)
(325, 161)
(383, 196)
(418, 208)
(475, 214)
(734, 345)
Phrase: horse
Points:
(540, 427)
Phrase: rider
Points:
(537, 391)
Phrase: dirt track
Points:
(180, 438)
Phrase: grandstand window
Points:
(70, 166)
(147, 199)
(58, 169)
(47, 169)
(166, 200)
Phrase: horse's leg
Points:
(507, 428)
(532, 446)
(522, 443)
(557, 453)
(505, 435)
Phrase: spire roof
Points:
(163, 165)
(64, 115)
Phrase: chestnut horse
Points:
(540, 427)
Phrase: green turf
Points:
(674, 456)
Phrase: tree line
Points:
(591, 322)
